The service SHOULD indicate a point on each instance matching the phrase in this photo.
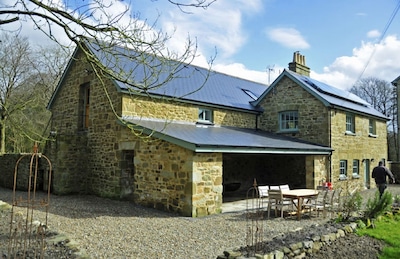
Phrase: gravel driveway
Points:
(107, 228)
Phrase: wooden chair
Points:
(319, 203)
(336, 205)
(276, 200)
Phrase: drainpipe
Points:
(330, 145)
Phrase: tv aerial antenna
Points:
(269, 70)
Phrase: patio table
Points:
(299, 195)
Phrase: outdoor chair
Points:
(328, 202)
(336, 205)
(284, 187)
(263, 194)
(274, 187)
(318, 204)
(276, 200)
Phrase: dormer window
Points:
(205, 115)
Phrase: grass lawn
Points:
(388, 230)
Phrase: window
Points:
(372, 127)
(205, 115)
(356, 168)
(343, 170)
(350, 123)
(84, 105)
(251, 94)
(288, 120)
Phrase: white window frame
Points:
(205, 115)
(356, 168)
(289, 121)
(372, 128)
(343, 170)
(350, 123)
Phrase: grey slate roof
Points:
(329, 95)
(208, 138)
(193, 84)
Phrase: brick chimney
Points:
(298, 64)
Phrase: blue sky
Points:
(337, 37)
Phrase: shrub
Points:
(351, 205)
(378, 205)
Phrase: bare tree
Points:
(95, 22)
(15, 68)
(382, 96)
(28, 119)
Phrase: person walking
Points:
(379, 173)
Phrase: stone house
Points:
(329, 116)
(181, 146)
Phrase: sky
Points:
(342, 40)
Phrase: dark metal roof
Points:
(329, 95)
(208, 138)
(191, 83)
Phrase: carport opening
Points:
(240, 170)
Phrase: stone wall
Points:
(207, 184)
(359, 146)
(164, 109)
(313, 115)
(294, 250)
(25, 176)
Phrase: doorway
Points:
(127, 173)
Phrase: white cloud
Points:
(218, 27)
(240, 70)
(383, 61)
(288, 37)
(373, 34)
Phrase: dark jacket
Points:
(380, 173)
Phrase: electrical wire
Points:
(396, 9)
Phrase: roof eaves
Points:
(360, 113)
(250, 150)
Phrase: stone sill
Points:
(349, 133)
(372, 135)
(297, 249)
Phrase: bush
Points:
(379, 205)
(351, 205)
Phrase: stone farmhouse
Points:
(182, 146)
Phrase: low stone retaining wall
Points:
(295, 250)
